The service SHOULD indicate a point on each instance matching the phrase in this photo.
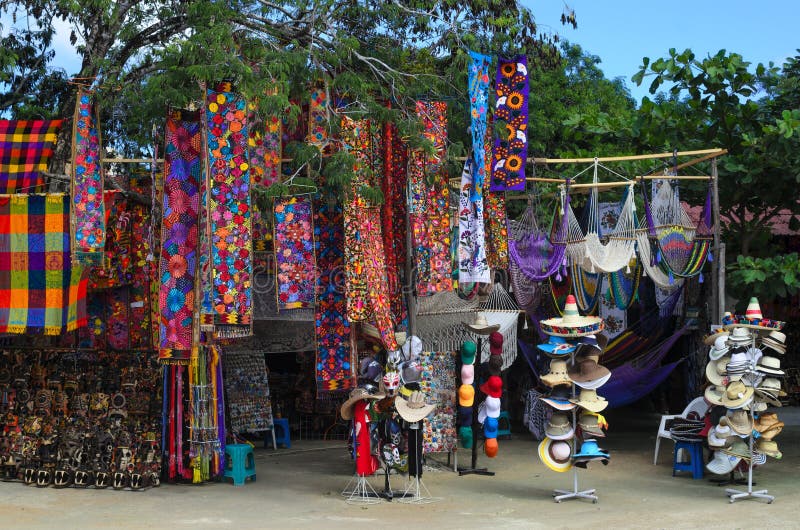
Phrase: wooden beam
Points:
(675, 177)
(615, 184)
(713, 152)
(130, 160)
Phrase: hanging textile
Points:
(205, 443)
(183, 172)
(560, 288)
(682, 248)
(25, 150)
(511, 106)
(472, 263)
(117, 318)
(229, 212)
(141, 265)
(264, 148)
(375, 273)
(356, 138)
(334, 370)
(615, 319)
(88, 210)
(438, 383)
(318, 117)
(532, 250)
(393, 216)
(294, 252)
(479, 106)
(247, 391)
(41, 290)
(494, 216)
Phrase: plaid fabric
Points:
(25, 150)
(40, 290)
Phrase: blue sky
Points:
(621, 32)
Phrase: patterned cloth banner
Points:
(375, 273)
(116, 267)
(334, 370)
(495, 222)
(229, 212)
(438, 383)
(142, 270)
(183, 173)
(117, 318)
(295, 266)
(511, 149)
(88, 209)
(429, 205)
(479, 106)
(318, 117)
(472, 264)
(393, 215)
(25, 150)
(41, 290)
(247, 391)
(264, 144)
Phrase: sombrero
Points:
(572, 324)
(555, 454)
(752, 319)
(357, 394)
(481, 326)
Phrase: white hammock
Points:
(588, 251)
(659, 277)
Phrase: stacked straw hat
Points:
(575, 348)
(744, 372)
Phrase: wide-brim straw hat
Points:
(722, 463)
(481, 326)
(769, 448)
(775, 341)
(589, 374)
(740, 421)
(737, 395)
(769, 365)
(558, 374)
(738, 448)
(708, 340)
(590, 426)
(357, 394)
(559, 427)
(413, 408)
(572, 324)
(714, 375)
(719, 348)
(555, 454)
(589, 400)
(713, 394)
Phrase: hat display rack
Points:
(743, 373)
(575, 376)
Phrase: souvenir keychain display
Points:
(575, 347)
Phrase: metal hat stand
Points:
(417, 492)
(575, 493)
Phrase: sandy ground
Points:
(300, 488)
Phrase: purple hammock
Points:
(535, 254)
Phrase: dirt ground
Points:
(300, 488)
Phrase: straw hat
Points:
(480, 325)
(558, 374)
(752, 319)
(737, 395)
(738, 448)
(589, 400)
(357, 394)
(769, 365)
(776, 341)
(719, 348)
(711, 339)
(772, 386)
(413, 408)
(740, 336)
(738, 420)
(555, 454)
(591, 426)
(559, 427)
(720, 436)
(589, 374)
(769, 448)
(572, 324)
(713, 394)
(722, 463)
(715, 371)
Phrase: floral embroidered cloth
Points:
(511, 148)
(294, 252)
(393, 216)
(264, 144)
(229, 212)
(88, 209)
(472, 263)
(478, 104)
(334, 369)
(183, 172)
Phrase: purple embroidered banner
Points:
(511, 149)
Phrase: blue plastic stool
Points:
(240, 463)
(507, 430)
(280, 433)
(695, 463)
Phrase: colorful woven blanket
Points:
(229, 212)
(183, 172)
(88, 207)
(25, 150)
(41, 291)
(511, 149)
(334, 369)
(294, 252)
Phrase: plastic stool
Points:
(507, 430)
(240, 463)
(695, 463)
(280, 434)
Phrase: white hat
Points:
(723, 464)
(769, 365)
(719, 348)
